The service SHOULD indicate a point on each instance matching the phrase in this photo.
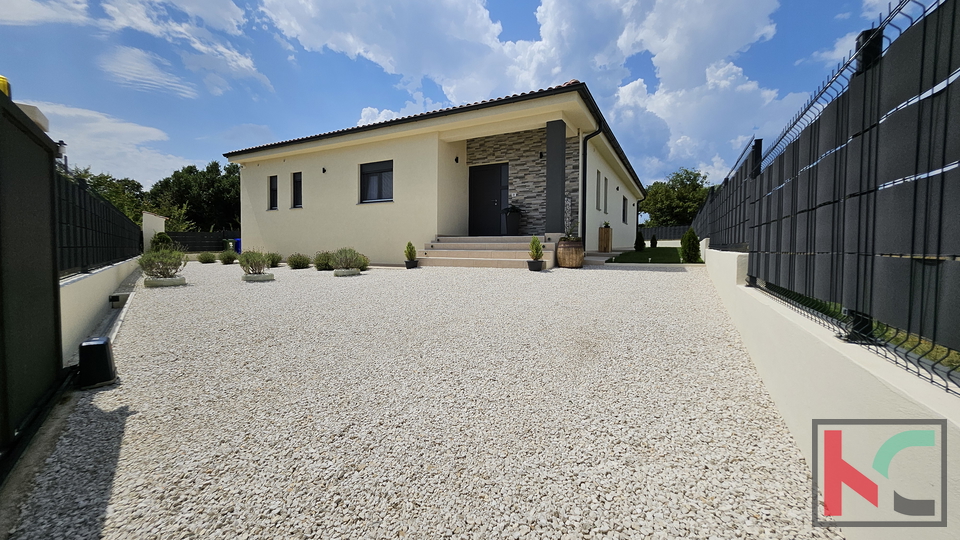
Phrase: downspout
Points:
(583, 185)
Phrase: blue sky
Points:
(140, 88)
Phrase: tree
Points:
(676, 201)
(208, 198)
(125, 194)
(690, 247)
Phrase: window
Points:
(606, 184)
(598, 190)
(625, 203)
(376, 182)
(297, 190)
(273, 193)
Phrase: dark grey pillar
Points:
(556, 165)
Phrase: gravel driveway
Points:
(435, 403)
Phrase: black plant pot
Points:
(535, 266)
(513, 224)
(411, 264)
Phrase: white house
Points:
(444, 173)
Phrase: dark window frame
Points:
(297, 190)
(382, 173)
(272, 192)
(626, 221)
(606, 193)
(598, 189)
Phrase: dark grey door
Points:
(488, 195)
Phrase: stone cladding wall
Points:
(528, 173)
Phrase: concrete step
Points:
(480, 262)
(486, 239)
(482, 254)
(503, 246)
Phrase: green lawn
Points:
(652, 255)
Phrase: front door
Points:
(488, 194)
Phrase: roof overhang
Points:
(571, 103)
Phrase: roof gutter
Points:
(583, 181)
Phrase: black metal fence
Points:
(91, 231)
(30, 363)
(853, 217)
(203, 241)
(664, 233)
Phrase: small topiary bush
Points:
(690, 247)
(162, 264)
(321, 261)
(653, 241)
(349, 258)
(161, 241)
(536, 248)
(638, 244)
(253, 261)
(410, 252)
(298, 261)
(273, 259)
(207, 257)
(228, 256)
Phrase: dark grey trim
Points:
(583, 177)
(556, 167)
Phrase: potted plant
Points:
(605, 243)
(411, 254)
(513, 214)
(254, 263)
(570, 248)
(536, 255)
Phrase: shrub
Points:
(162, 263)
(653, 241)
(536, 248)
(161, 241)
(273, 259)
(638, 244)
(298, 261)
(690, 247)
(206, 257)
(349, 258)
(321, 261)
(410, 252)
(253, 261)
(228, 256)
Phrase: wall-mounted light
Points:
(324, 169)
(456, 159)
(541, 155)
(618, 188)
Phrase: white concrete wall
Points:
(84, 302)
(152, 224)
(812, 374)
(624, 234)
(453, 188)
(332, 215)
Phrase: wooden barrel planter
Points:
(570, 253)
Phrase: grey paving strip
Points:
(430, 403)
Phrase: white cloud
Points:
(840, 52)
(139, 69)
(110, 145)
(206, 52)
(687, 36)
(419, 104)
(842, 16)
(30, 12)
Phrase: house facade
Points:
(450, 172)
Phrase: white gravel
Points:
(433, 403)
